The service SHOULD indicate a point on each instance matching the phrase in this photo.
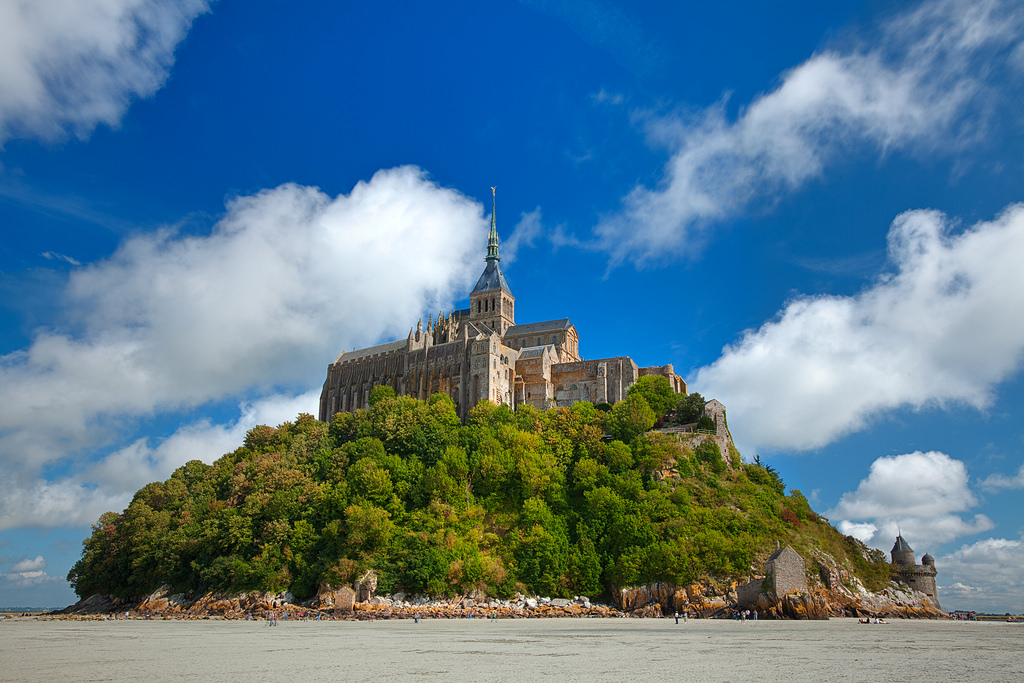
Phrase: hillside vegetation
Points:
(569, 501)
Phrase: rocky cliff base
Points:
(837, 594)
(722, 600)
(333, 603)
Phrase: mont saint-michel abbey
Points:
(480, 353)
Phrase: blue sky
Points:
(809, 209)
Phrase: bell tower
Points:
(491, 303)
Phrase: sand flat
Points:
(523, 650)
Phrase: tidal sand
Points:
(519, 650)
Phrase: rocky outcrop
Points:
(340, 599)
(365, 587)
(845, 595)
(703, 599)
(792, 605)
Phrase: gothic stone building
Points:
(481, 354)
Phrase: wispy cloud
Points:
(53, 256)
(919, 85)
(66, 67)
(933, 330)
(996, 482)
(527, 230)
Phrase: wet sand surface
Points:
(524, 650)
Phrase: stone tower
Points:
(902, 553)
(919, 577)
(491, 303)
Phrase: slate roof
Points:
(534, 328)
(778, 553)
(534, 351)
(371, 350)
(491, 278)
(901, 546)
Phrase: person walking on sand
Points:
(677, 617)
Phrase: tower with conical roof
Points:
(902, 553)
(920, 577)
(491, 303)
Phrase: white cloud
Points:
(284, 282)
(27, 572)
(28, 565)
(999, 481)
(937, 330)
(110, 482)
(920, 86)
(985, 576)
(916, 494)
(68, 65)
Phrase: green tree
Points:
(630, 418)
(689, 408)
(379, 393)
(657, 391)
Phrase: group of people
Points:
(685, 615)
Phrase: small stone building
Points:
(787, 571)
(784, 572)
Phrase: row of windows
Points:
(487, 305)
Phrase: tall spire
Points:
(492, 239)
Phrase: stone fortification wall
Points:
(920, 578)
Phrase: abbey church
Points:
(480, 353)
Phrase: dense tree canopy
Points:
(561, 502)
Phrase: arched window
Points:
(478, 306)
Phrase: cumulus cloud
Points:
(917, 494)
(69, 65)
(920, 86)
(984, 576)
(27, 572)
(285, 281)
(28, 565)
(937, 329)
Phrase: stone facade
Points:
(784, 572)
(919, 577)
(481, 354)
(787, 571)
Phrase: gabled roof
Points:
(535, 351)
(778, 553)
(534, 328)
(491, 278)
